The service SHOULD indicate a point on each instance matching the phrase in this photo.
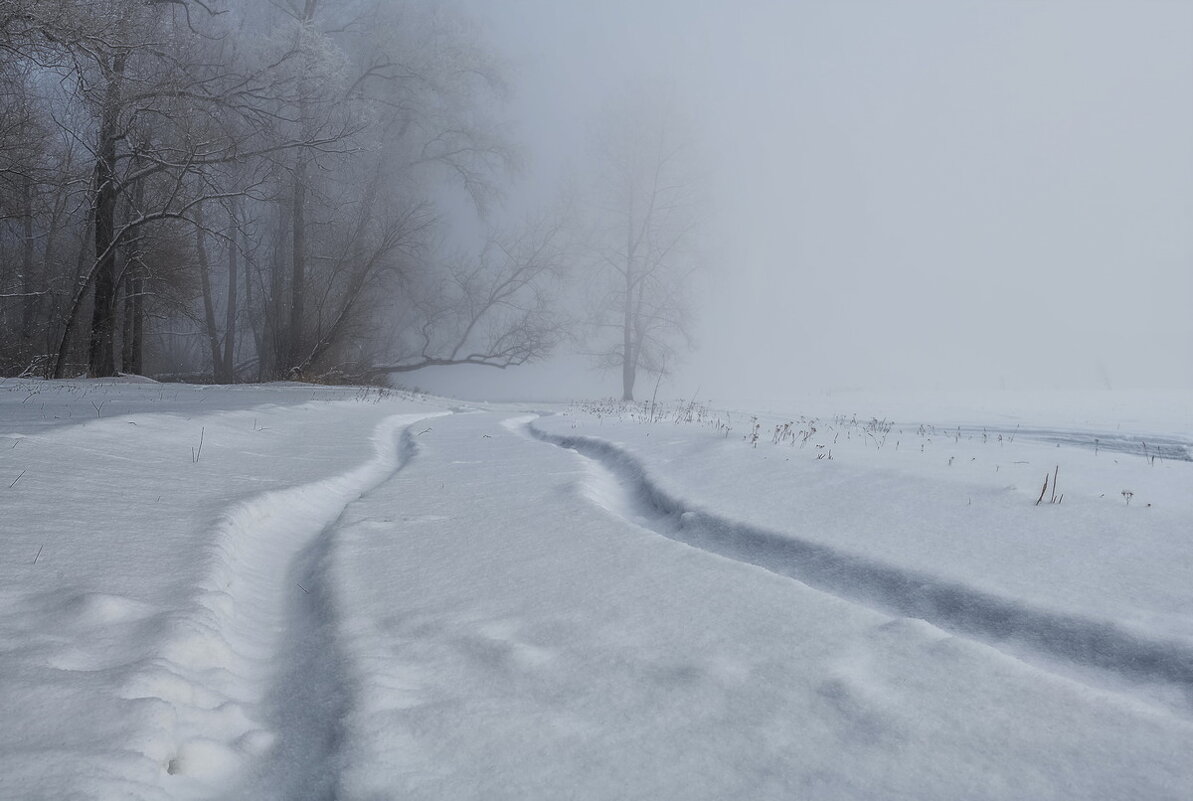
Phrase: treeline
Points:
(251, 191)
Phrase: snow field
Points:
(935, 532)
(142, 581)
(514, 635)
(338, 597)
(32, 405)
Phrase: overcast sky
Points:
(955, 194)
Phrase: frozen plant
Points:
(783, 432)
(1054, 498)
(752, 437)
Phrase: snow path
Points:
(139, 633)
(507, 639)
(258, 641)
(620, 483)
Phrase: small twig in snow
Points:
(18, 478)
(195, 454)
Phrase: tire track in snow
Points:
(248, 686)
(621, 484)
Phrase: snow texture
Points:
(291, 592)
(622, 484)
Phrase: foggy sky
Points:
(907, 195)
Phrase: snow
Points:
(294, 592)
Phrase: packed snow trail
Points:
(145, 577)
(270, 635)
(623, 485)
(507, 639)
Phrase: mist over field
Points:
(919, 195)
(539, 399)
(911, 196)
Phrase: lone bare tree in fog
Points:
(643, 232)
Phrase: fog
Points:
(912, 195)
(744, 199)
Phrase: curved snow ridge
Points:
(954, 607)
(210, 680)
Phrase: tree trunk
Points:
(259, 341)
(299, 275)
(100, 357)
(131, 360)
(30, 301)
(126, 328)
(82, 282)
(274, 335)
(227, 372)
(213, 336)
(629, 361)
(51, 308)
(134, 344)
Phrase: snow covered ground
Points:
(297, 592)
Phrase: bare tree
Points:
(169, 105)
(358, 224)
(498, 309)
(642, 238)
(23, 197)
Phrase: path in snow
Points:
(126, 588)
(264, 632)
(621, 484)
(215, 653)
(508, 639)
(312, 690)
